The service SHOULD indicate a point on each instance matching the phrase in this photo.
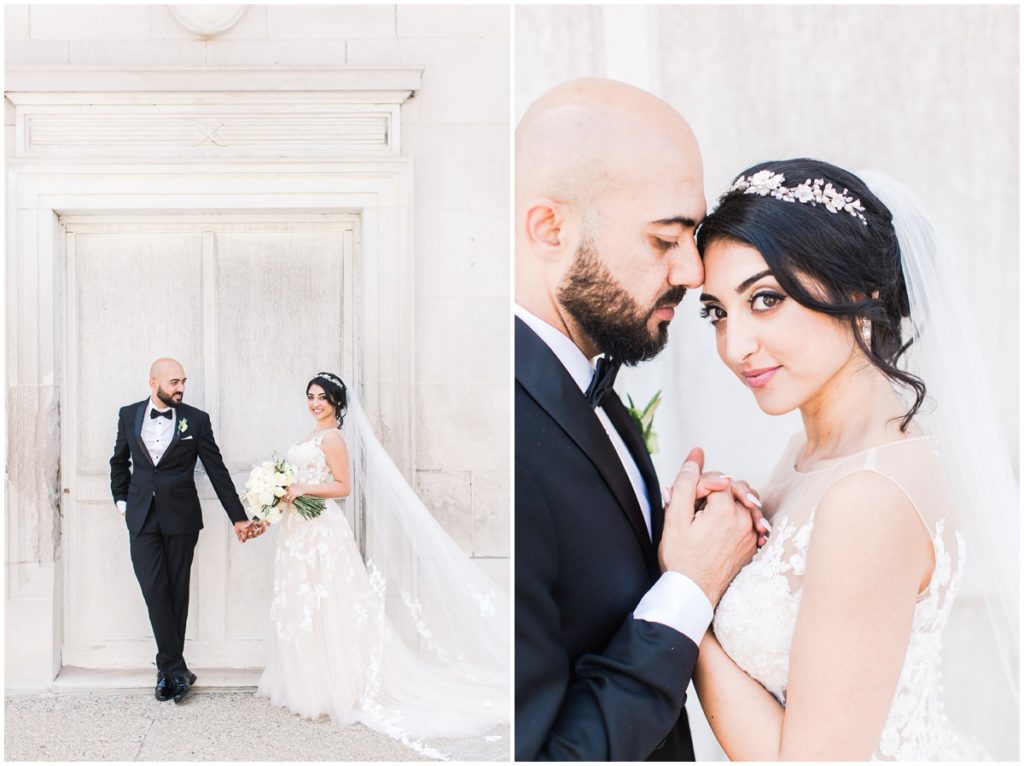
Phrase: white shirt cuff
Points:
(122, 506)
(678, 602)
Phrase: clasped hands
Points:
(713, 527)
(246, 530)
(716, 482)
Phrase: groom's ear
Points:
(545, 226)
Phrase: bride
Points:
(827, 645)
(336, 650)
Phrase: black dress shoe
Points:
(191, 678)
(181, 687)
(164, 687)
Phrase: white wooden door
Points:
(252, 306)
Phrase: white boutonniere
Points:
(182, 425)
(644, 420)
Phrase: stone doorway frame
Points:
(256, 161)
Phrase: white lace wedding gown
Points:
(336, 653)
(756, 617)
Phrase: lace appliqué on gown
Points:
(307, 557)
(757, 615)
(335, 651)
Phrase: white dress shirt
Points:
(675, 600)
(157, 432)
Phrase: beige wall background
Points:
(930, 94)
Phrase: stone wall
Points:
(455, 130)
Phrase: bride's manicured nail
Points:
(766, 525)
(752, 498)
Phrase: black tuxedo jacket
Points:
(592, 682)
(135, 479)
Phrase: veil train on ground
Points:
(434, 594)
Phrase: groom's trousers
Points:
(163, 566)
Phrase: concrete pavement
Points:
(211, 724)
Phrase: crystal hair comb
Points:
(332, 378)
(817, 192)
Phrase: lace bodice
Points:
(309, 458)
(756, 617)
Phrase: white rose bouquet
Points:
(267, 484)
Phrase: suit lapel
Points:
(179, 415)
(634, 440)
(546, 380)
(140, 414)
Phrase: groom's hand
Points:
(709, 545)
(242, 530)
(743, 493)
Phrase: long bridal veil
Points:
(983, 655)
(438, 599)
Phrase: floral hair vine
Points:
(327, 376)
(816, 192)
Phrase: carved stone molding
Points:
(208, 20)
(231, 113)
(234, 130)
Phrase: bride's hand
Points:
(751, 500)
(292, 492)
(716, 481)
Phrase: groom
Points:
(613, 592)
(153, 483)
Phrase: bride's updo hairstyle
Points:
(843, 257)
(337, 393)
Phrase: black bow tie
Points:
(157, 414)
(603, 380)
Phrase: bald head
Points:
(167, 382)
(587, 136)
(165, 365)
(613, 172)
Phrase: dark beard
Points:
(166, 398)
(608, 314)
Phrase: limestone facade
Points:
(364, 150)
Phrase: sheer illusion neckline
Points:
(316, 436)
(831, 462)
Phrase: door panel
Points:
(274, 335)
(126, 281)
(252, 306)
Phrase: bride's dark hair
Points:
(336, 391)
(847, 260)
